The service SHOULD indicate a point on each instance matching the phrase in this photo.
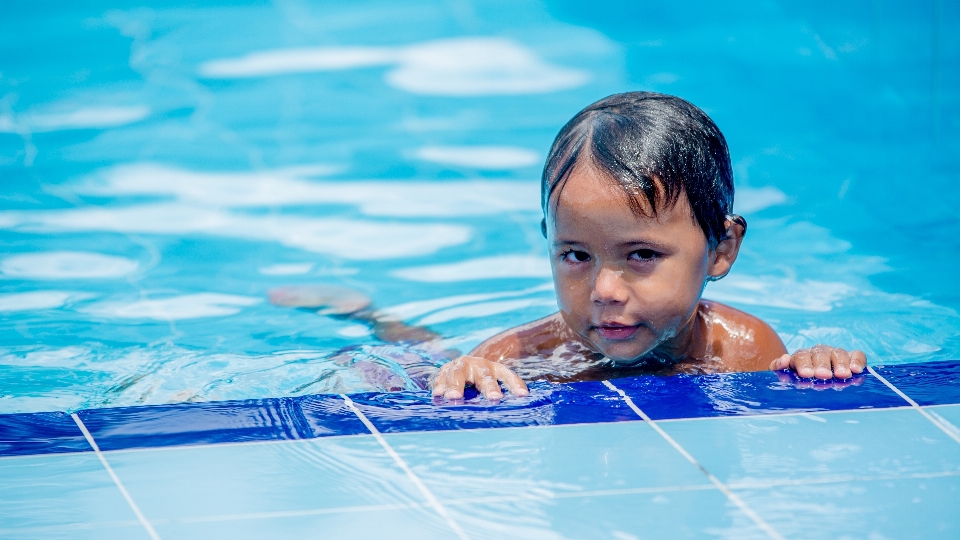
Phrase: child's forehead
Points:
(587, 183)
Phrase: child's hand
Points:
(822, 362)
(481, 373)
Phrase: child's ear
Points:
(723, 256)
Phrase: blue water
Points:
(158, 180)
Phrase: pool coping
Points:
(643, 398)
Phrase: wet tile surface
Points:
(558, 459)
(693, 513)
(828, 445)
(909, 508)
(40, 495)
(406, 524)
(226, 480)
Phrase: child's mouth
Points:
(616, 332)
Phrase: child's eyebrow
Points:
(636, 243)
(565, 243)
(649, 244)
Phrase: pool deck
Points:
(734, 455)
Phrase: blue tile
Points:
(221, 482)
(700, 513)
(948, 414)
(410, 523)
(906, 508)
(41, 495)
(552, 459)
(324, 415)
(40, 433)
(219, 422)
(547, 404)
(733, 394)
(834, 445)
(929, 383)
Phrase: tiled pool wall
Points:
(312, 416)
(746, 455)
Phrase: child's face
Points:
(626, 283)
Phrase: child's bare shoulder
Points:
(525, 340)
(744, 342)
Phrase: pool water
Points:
(165, 166)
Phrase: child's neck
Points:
(691, 342)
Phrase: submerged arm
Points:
(421, 348)
(353, 305)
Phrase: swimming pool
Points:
(164, 167)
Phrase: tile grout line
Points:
(116, 479)
(431, 499)
(731, 496)
(915, 405)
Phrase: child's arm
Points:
(747, 343)
(350, 304)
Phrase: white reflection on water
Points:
(296, 187)
(36, 300)
(186, 306)
(496, 267)
(479, 157)
(66, 265)
(347, 238)
(463, 66)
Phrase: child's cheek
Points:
(573, 293)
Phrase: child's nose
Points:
(609, 287)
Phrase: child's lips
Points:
(616, 332)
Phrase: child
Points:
(637, 194)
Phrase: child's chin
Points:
(623, 355)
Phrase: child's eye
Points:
(574, 256)
(644, 255)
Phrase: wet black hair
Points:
(653, 145)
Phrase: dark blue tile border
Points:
(736, 394)
(930, 383)
(307, 417)
(40, 433)
(547, 404)
(220, 421)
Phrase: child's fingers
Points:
(803, 363)
(783, 362)
(482, 374)
(440, 381)
(513, 381)
(821, 362)
(841, 363)
(858, 361)
(483, 380)
(456, 380)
